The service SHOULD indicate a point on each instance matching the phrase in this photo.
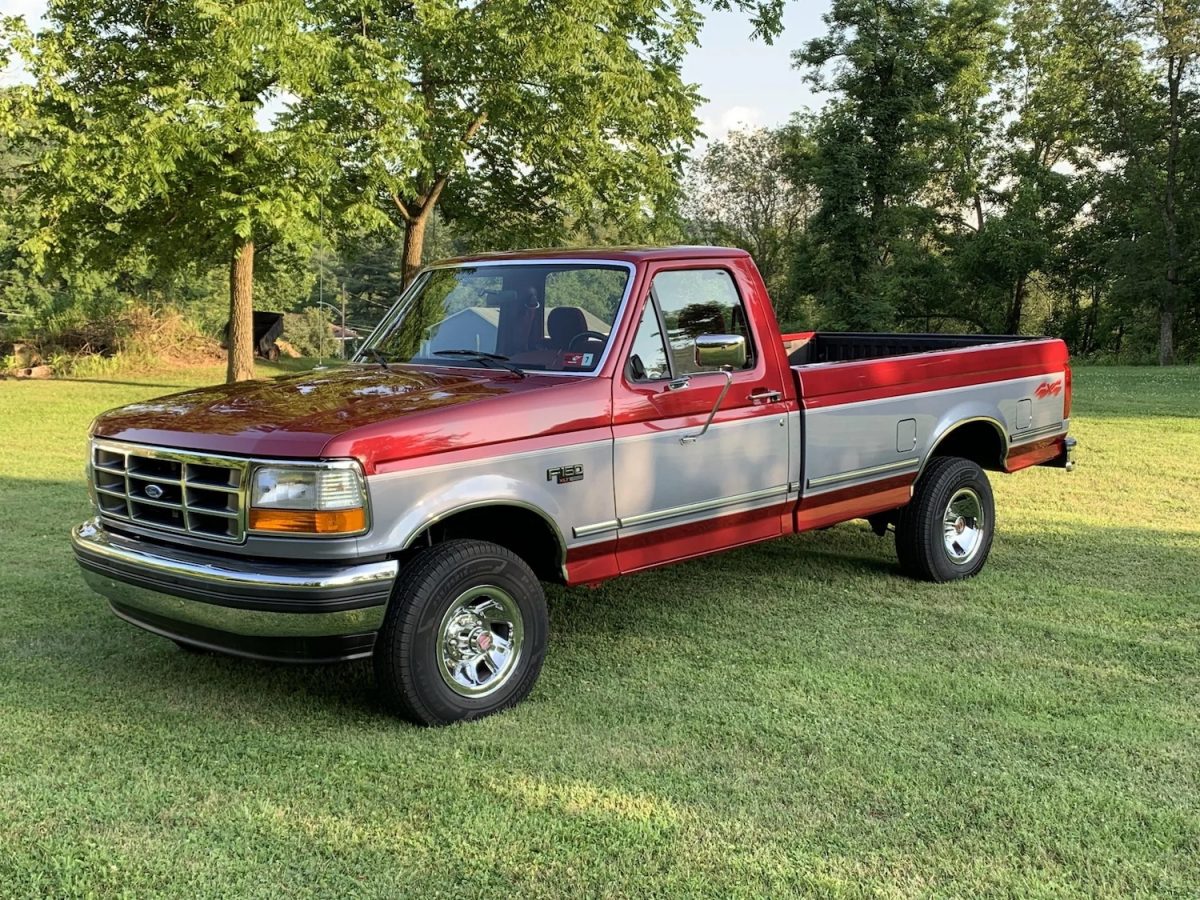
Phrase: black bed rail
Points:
(845, 346)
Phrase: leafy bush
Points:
(310, 332)
(131, 337)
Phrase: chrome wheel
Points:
(963, 526)
(479, 643)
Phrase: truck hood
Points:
(298, 416)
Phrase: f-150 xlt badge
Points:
(565, 474)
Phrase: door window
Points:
(695, 302)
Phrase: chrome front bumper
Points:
(313, 612)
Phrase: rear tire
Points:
(945, 532)
(464, 635)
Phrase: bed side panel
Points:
(870, 427)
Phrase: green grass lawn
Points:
(789, 718)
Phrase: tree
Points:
(878, 156)
(1037, 184)
(738, 193)
(1172, 30)
(150, 117)
(310, 332)
(514, 119)
(1144, 118)
(1025, 157)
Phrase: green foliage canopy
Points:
(151, 122)
(516, 119)
(738, 193)
(1005, 166)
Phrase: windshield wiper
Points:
(485, 358)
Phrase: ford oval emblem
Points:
(154, 492)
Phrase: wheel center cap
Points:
(960, 525)
(484, 641)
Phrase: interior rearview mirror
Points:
(716, 350)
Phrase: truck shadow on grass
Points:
(1120, 599)
(1133, 589)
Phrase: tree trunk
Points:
(1089, 326)
(1166, 336)
(241, 313)
(1166, 319)
(1012, 322)
(416, 212)
(414, 243)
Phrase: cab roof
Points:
(620, 254)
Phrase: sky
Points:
(746, 82)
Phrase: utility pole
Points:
(321, 277)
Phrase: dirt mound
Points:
(168, 337)
(136, 338)
(288, 349)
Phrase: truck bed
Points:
(811, 347)
(876, 406)
(833, 368)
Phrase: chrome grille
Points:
(170, 490)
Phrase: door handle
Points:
(766, 395)
(679, 383)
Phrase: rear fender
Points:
(966, 413)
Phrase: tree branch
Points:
(399, 204)
(435, 192)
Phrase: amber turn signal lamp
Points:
(308, 521)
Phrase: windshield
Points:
(555, 317)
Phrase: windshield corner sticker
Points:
(576, 360)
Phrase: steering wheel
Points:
(587, 336)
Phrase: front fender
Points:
(407, 506)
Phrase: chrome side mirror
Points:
(714, 351)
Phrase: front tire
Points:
(464, 635)
(945, 532)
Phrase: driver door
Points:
(678, 498)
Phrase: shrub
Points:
(129, 338)
(310, 332)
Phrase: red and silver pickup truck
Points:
(564, 416)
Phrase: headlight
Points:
(308, 500)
